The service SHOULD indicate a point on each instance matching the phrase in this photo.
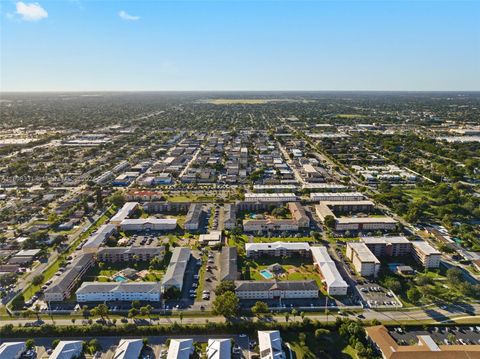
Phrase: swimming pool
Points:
(266, 274)
(120, 278)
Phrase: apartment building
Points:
(98, 238)
(176, 268)
(67, 349)
(270, 345)
(332, 278)
(229, 216)
(395, 246)
(194, 217)
(130, 254)
(425, 347)
(128, 348)
(219, 348)
(228, 264)
(63, 286)
(270, 197)
(270, 225)
(299, 215)
(127, 209)
(425, 254)
(12, 350)
(277, 249)
(180, 349)
(337, 196)
(258, 290)
(118, 291)
(148, 224)
(364, 261)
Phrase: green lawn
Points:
(331, 346)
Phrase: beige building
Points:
(425, 254)
(364, 261)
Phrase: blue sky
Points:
(239, 45)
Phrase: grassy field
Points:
(331, 346)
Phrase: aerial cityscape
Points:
(207, 222)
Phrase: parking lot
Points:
(460, 335)
(375, 296)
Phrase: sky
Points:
(87, 45)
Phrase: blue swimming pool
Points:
(120, 278)
(266, 274)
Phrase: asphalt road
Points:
(432, 312)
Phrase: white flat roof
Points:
(425, 248)
(180, 349)
(124, 212)
(270, 344)
(150, 220)
(393, 239)
(277, 245)
(363, 253)
(329, 271)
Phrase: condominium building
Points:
(180, 349)
(270, 197)
(176, 268)
(277, 249)
(257, 290)
(98, 238)
(118, 291)
(128, 348)
(67, 349)
(298, 214)
(130, 254)
(424, 348)
(228, 264)
(150, 224)
(425, 254)
(63, 286)
(219, 349)
(270, 345)
(229, 216)
(395, 246)
(12, 350)
(124, 212)
(364, 261)
(334, 282)
(274, 188)
(327, 208)
(337, 196)
(270, 225)
(194, 217)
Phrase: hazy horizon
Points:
(126, 46)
